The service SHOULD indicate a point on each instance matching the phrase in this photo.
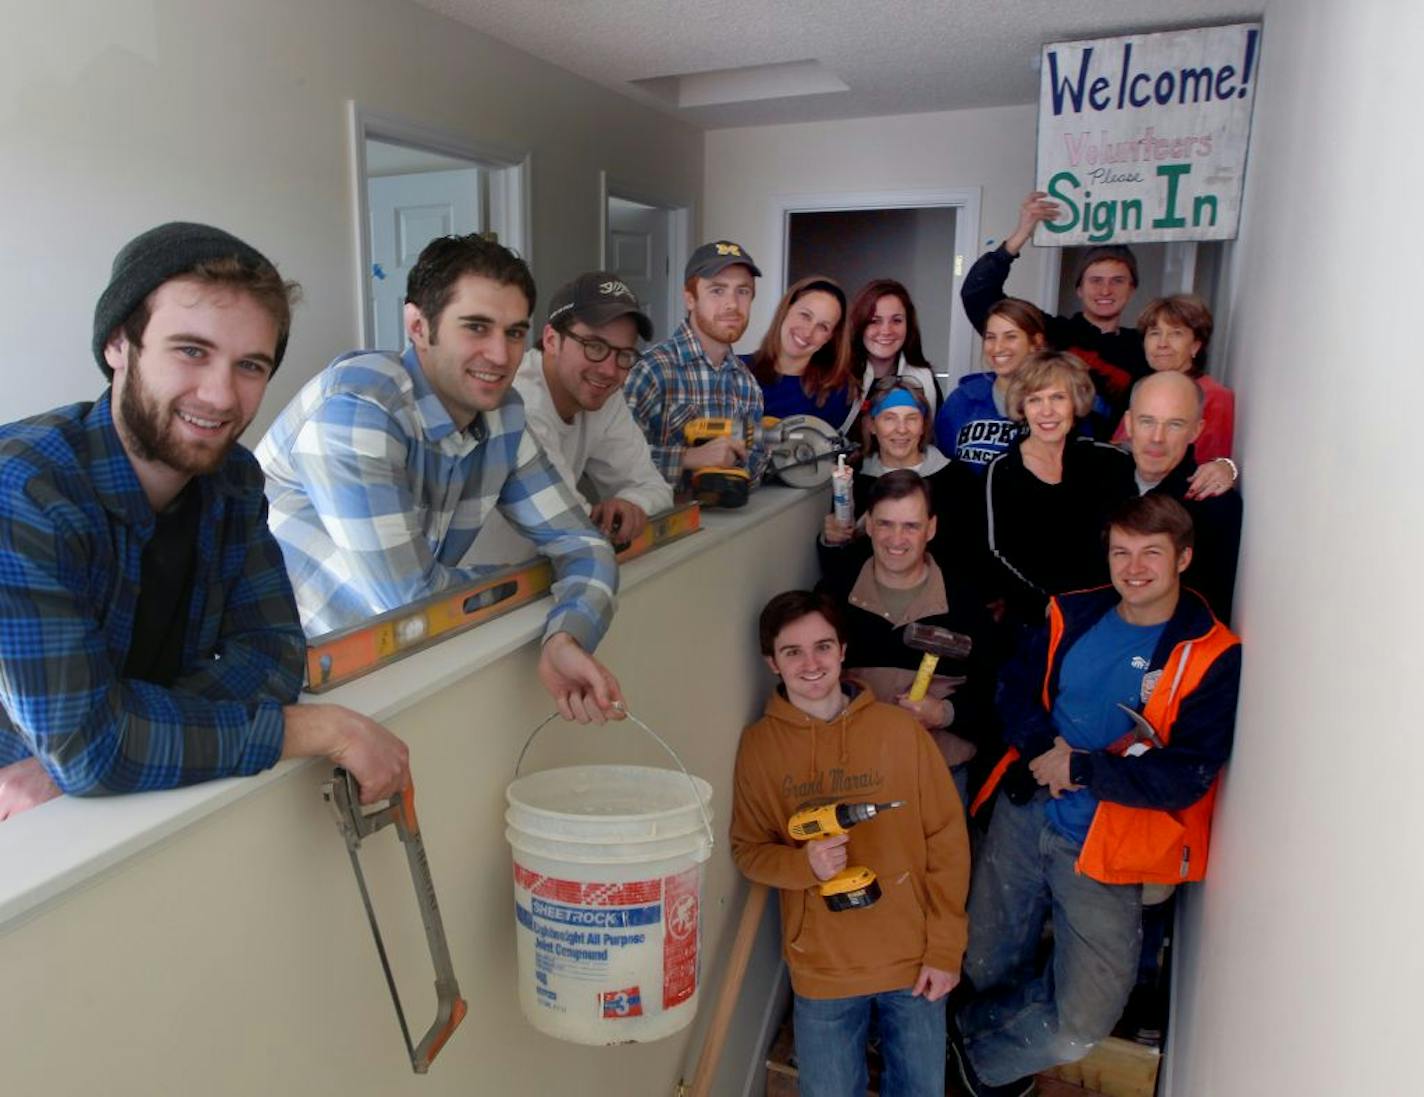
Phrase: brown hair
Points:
(1024, 315)
(899, 484)
(862, 309)
(829, 367)
(262, 283)
(1040, 370)
(1188, 310)
(1117, 253)
(792, 605)
(447, 259)
(1153, 513)
(880, 388)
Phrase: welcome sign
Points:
(1145, 137)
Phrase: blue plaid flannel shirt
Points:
(376, 496)
(73, 525)
(675, 382)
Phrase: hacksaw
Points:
(357, 823)
(341, 656)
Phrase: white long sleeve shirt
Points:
(605, 448)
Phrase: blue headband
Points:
(895, 398)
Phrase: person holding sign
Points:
(1106, 280)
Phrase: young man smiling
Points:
(150, 638)
(1105, 283)
(820, 742)
(1091, 809)
(382, 469)
(573, 404)
(694, 374)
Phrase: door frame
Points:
(510, 194)
(959, 355)
(679, 211)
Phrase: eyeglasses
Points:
(598, 350)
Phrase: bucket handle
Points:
(696, 796)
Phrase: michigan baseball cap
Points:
(716, 257)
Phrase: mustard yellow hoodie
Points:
(920, 852)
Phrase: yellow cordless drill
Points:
(718, 485)
(855, 885)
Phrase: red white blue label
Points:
(617, 1004)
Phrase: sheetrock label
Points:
(597, 944)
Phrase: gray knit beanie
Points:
(152, 258)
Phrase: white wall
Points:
(990, 148)
(117, 116)
(1304, 958)
(233, 958)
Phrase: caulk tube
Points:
(841, 504)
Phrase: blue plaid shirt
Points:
(675, 382)
(376, 496)
(74, 522)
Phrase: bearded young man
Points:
(694, 374)
(149, 635)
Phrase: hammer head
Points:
(938, 641)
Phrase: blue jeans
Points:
(1024, 1019)
(830, 1045)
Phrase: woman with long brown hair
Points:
(803, 363)
(885, 340)
(974, 424)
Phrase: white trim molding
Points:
(510, 196)
(964, 200)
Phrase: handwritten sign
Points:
(1144, 137)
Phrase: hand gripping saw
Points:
(356, 823)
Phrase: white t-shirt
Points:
(605, 448)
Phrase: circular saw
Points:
(802, 449)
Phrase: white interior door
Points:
(638, 238)
(407, 212)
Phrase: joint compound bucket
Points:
(608, 864)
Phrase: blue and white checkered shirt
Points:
(74, 522)
(675, 382)
(376, 495)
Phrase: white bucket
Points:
(607, 898)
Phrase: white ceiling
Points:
(895, 57)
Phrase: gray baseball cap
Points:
(597, 298)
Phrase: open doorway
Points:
(645, 242)
(913, 246)
(412, 197)
(927, 235)
(414, 184)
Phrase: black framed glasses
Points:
(598, 350)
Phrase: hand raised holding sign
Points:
(1035, 208)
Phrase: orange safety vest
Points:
(1130, 845)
